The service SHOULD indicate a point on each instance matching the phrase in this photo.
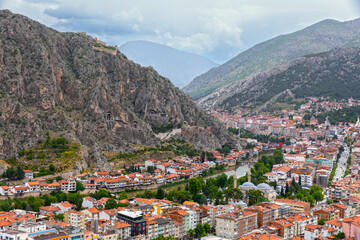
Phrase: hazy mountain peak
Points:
(180, 67)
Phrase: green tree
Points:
(191, 233)
(161, 237)
(212, 192)
(287, 189)
(5, 206)
(255, 197)
(179, 196)
(30, 155)
(123, 195)
(150, 169)
(207, 227)
(194, 186)
(200, 198)
(79, 186)
(76, 198)
(278, 156)
(225, 149)
(234, 131)
(340, 235)
(35, 203)
(317, 193)
(242, 180)
(41, 155)
(160, 194)
(150, 194)
(199, 230)
(321, 221)
(14, 173)
(101, 194)
(52, 168)
(318, 196)
(237, 194)
(230, 182)
(221, 180)
(110, 204)
(59, 217)
(20, 173)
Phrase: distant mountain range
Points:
(180, 67)
(320, 37)
(334, 74)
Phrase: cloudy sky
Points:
(218, 29)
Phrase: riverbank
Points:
(182, 185)
(241, 170)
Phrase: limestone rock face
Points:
(76, 86)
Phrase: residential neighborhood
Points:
(325, 159)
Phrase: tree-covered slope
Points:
(349, 115)
(335, 74)
(320, 37)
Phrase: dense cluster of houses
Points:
(310, 156)
(150, 218)
(289, 123)
(40, 185)
(346, 189)
(303, 169)
(154, 173)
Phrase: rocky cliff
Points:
(76, 86)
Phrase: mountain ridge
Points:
(332, 74)
(319, 37)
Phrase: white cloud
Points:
(219, 29)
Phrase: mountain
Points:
(320, 37)
(334, 74)
(180, 67)
(72, 85)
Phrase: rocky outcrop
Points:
(61, 82)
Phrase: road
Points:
(342, 164)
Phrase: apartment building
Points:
(75, 218)
(283, 227)
(300, 221)
(135, 219)
(313, 232)
(266, 212)
(296, 205)
(236, 224)
(178, 215)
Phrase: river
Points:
(240, 171)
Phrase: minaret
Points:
(327, 121)
(249, 173)
(235, 179)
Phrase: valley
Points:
(99, 142)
